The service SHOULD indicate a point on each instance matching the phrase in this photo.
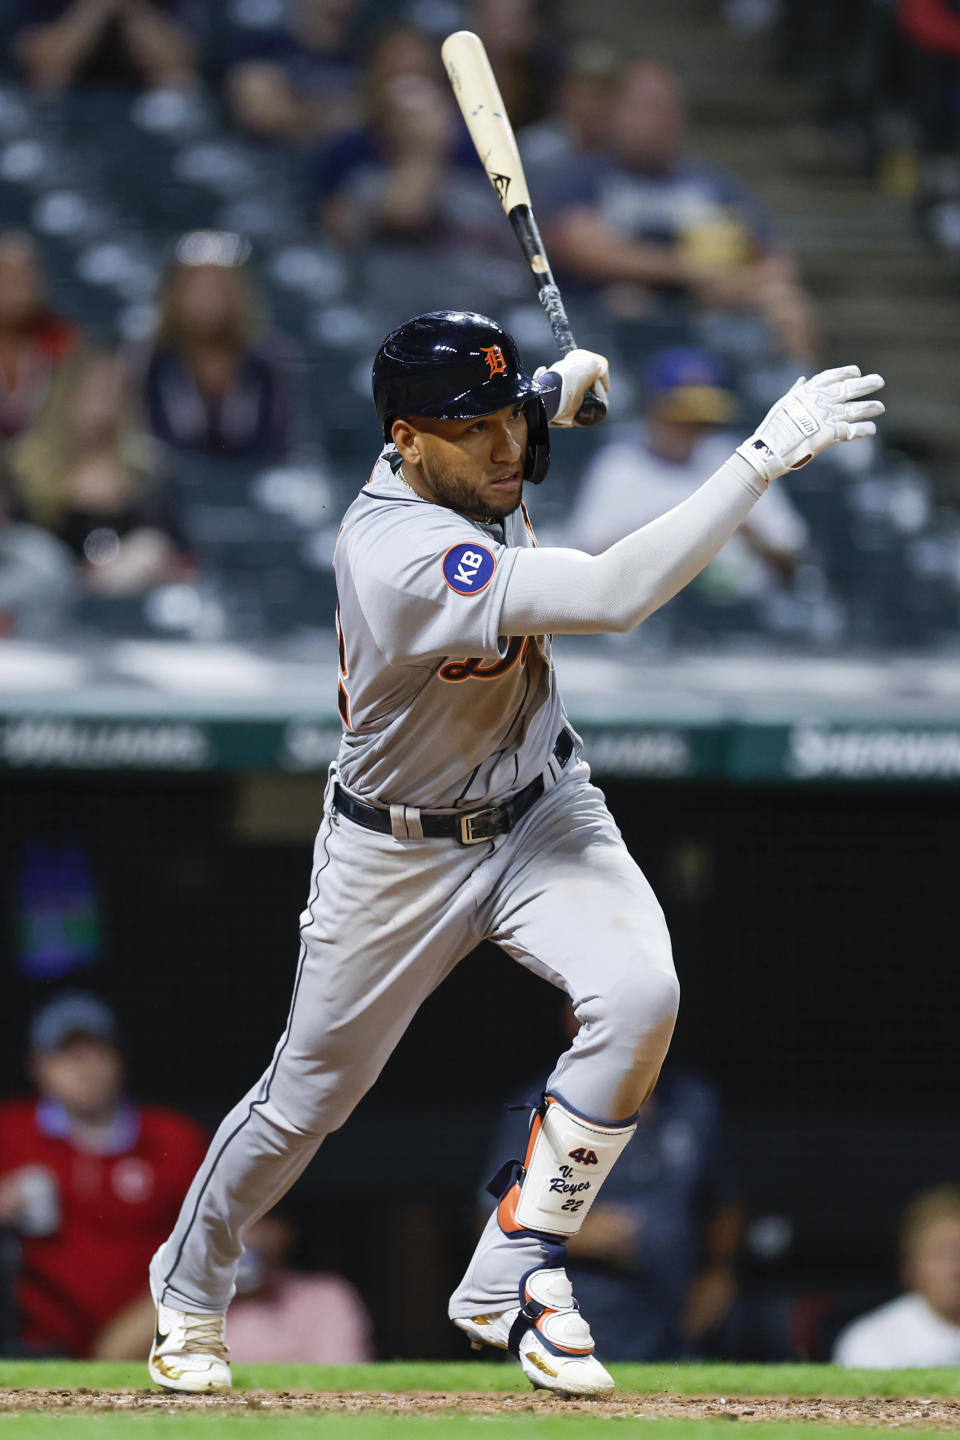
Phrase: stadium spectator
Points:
(525, 60)
(33, 340)
(386, 177)
(654, 1265)
(214, 379)
(62, 44)
(405, 194)
(90, 1181)
(577, 124)
(89, 474)
(649, 226)
(36, 575)
(290, 1316)
(656, 463)
(922, 1327)
(297, 81)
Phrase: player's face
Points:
(474, 466)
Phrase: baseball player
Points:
(460, 809)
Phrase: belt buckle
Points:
(471, 829)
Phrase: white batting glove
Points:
(577, 371)
(812, 415)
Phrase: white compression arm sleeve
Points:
(566, 592)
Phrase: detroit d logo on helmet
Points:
(496, 364)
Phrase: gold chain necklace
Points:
(483, 520)
(406, 482)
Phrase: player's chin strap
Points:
(568, 1158)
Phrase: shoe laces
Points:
(204, 1334)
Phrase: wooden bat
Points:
(478, 95)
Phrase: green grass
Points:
(680, 1379)
(408, 1427)
(528, 1421)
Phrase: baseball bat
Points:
(478, 95)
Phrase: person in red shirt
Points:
(91, 1183)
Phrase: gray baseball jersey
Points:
(439, 709)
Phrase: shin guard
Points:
(567, 1160)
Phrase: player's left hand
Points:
(576, 371)
(812, 415)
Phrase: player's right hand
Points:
(578, 371)
(811, 416)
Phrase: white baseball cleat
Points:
(189, 1352)
(547, 1334)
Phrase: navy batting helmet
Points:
(454, 365)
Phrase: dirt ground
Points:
(869, 1411)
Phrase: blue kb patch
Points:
(469, 568)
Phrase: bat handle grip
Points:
(592, 410)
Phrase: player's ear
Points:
(407, 441)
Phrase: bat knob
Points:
(592, 409)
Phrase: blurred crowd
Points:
(887, 78)
(214, 215)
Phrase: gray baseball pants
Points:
(386, 921)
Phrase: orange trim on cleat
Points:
(586, 1348)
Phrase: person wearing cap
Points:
(658, 461)
(90, 1182)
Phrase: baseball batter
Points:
(461, 809)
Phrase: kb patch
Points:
(468, 569)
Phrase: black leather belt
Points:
(466, 829)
